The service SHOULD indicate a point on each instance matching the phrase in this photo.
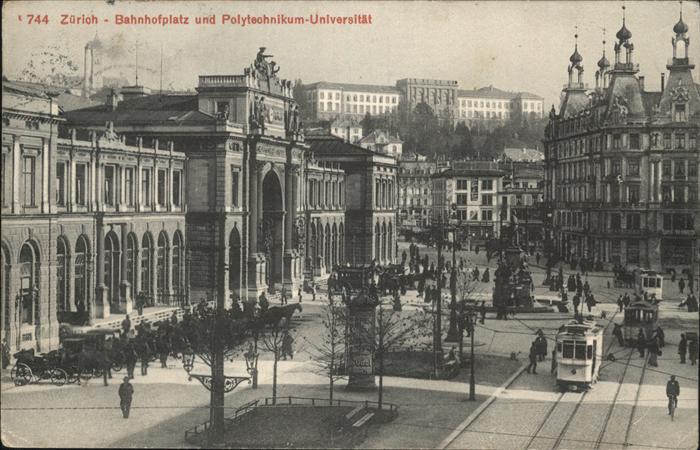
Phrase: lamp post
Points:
(251, 362)
(468, 321)
(453, 332)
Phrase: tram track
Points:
(636, 401)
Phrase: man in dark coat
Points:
(126, 393)
(163, 351)
(673, 390)
(126, 325)
(617, 332)
(660, 336)
(693, 351)
(641, 343)
(106, 362)
(681, 284)
(482, 312)
(533, 359)
(620, 303)
(130, 358)
(683, 348)
(541, 343)
(144, 355)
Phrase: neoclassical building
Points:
(621, 162)
(174, 197)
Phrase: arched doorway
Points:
(334, 250)
(162, 266)
(112, 266)
(5, 267)
(270, 239)
(178, 259)
(62, 290)
(81, 278)
(327, 248)
(132, 254)
(147, 267)
(29, 285)
(234, 262)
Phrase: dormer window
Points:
(679, 112)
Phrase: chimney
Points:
(641, 83)
(113, 100)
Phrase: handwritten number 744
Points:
(36, 19)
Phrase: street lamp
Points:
(188, 360)
(453, 332)
(251, 363)
(468, 321)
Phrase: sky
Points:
(517, 46)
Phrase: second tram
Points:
(579, 354)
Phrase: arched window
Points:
(111, 257)
(29, 283)
(162, 268)
(131, 259)
(62, 292)
(341, 244)
(383, 247)
(146, 264)
(327, 255)
(178, 266)
(334, 250)
(390, 243)
(377, 242)
(81, 276)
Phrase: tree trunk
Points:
(381, 378)
(217, 398)
(274, 378)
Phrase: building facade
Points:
(469, 192)
(489, 107)
(382, 142)
(329, 101)
(621, 163)
(439, 95)
(415, 192)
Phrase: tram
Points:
(639, 315)
(649, 281)
(579, 354)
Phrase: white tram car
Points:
(651, 282)
(579, 354)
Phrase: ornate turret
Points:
(623, 41)
(680, 29)
(603, 65)
(574, 97)
(575, 60)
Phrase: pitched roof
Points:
(486, 92)
(523, 154)
(328, 144)
(380, 135)
(350, 87)
(157, 108)
(451, 173)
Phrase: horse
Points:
(275, 314)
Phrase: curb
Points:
(474, 415)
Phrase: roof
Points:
(492, 92)
(650, 100)
(382, 136)
(24, 88)
(452, 173)
(523, 154)
(332, 145)
(157, 108)
(373, 88)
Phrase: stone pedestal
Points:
(125, 300)
(102, 310)
(256, 275)
(292, 271)
(360, 343)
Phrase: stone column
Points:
(16, 171)
(101, 309)
(291, 255)
(125, 305)
(256, 261)
(361, 323)
(47, 174)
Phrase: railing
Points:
(289, 400)
(221, 80)
(203, 427)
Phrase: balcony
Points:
(207, 81)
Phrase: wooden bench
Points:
(354, 411)
(363, 420)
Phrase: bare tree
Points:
(329, 352)
(396, 329)
(275, 339)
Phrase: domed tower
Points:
(680, 99)
(574, 98)
(603, 65)
(623, 36)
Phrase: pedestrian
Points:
(140, 302)
(641, 343)
(313, 291)
(287, 349)
(263, 303)
(126, 393)
(482, 311)
(673, 390)
(681, 284)
(537, 258)
(617, 332)
(653, 349)
(106, 362)
(682, 348)
(486, 277)
(661, 337)
(163, 351)
(620, 304)
(554, 361)
(145, 355)
(533, 359)
(126, 325)
(130, 358)
(299, 294)
(577, 301)
(693, 351)
(173, 318)
(283, 296)
(541, 343)
(5, 353)
(586, 287)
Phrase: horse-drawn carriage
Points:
(32, 368)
